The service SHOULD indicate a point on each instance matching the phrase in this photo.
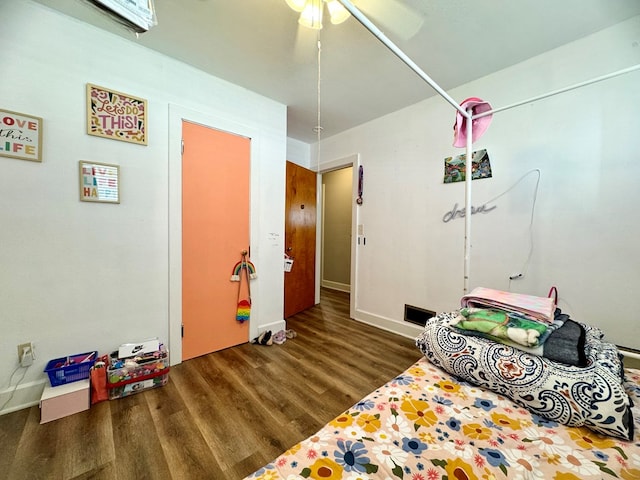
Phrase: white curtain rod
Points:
(560, 90)
(411, 64)
(469, 148)
(358, 15)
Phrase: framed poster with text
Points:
(99, 182)
(20, 136)
(116, 115)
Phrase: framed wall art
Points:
(99, 182)
(20, 136)
(116, 115)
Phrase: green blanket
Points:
(499, 325)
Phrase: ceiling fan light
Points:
(311, 16)
(337, 12)
(296, 5)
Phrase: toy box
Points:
(133, 375)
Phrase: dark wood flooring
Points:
(221, 416)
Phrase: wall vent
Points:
(417, 315)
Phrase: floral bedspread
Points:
(426, 425)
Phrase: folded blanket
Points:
(536, 308)
(565, 343)
(500, 325)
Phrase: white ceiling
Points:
(259, 45)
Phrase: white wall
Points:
(585, 144)
(299, 152)
(77, 276)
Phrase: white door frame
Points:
(354, 162)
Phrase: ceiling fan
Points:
(394, 15)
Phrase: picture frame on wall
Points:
(116, 115)
(99, 182)
(20, 136)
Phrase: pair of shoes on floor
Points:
(265, 338)
(279, 337)
(291, 334)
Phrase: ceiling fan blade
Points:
(393, 16)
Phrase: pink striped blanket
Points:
(536, 308)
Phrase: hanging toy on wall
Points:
(244, 311)
(235, 276)
(244, 268)
(359, 200)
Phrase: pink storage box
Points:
(64, 400)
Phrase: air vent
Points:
(417, 315)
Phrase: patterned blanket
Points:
(426, 425)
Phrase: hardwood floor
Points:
(221, 416)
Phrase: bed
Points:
(428, 424)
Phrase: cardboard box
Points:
(58, 402)
(127, 350)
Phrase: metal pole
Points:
(467, 114)
(467, 204)
(358, 15)
(561, 90)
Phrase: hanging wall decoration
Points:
(20, 136)
(243, 312)
(99, 182)
(454, 167)
(360, 200)
(116, 115)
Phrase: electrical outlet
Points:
(26, 354)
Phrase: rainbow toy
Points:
(243, 266)
(251, 269)
(244, 311)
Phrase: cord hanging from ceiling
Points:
(318, 128)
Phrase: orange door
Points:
(215, 230)
(300, 239)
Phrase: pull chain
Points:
(318, 127)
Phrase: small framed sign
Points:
(99, 182)
(116, 115)
(20, 136)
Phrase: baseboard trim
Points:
(25, 396)
(273, 326)
(341, 287)
(629, 352)
(402, 328)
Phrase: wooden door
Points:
(300, 239)
(215, 230)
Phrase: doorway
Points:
(215, 230)
(357, 228)
(337, 195)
